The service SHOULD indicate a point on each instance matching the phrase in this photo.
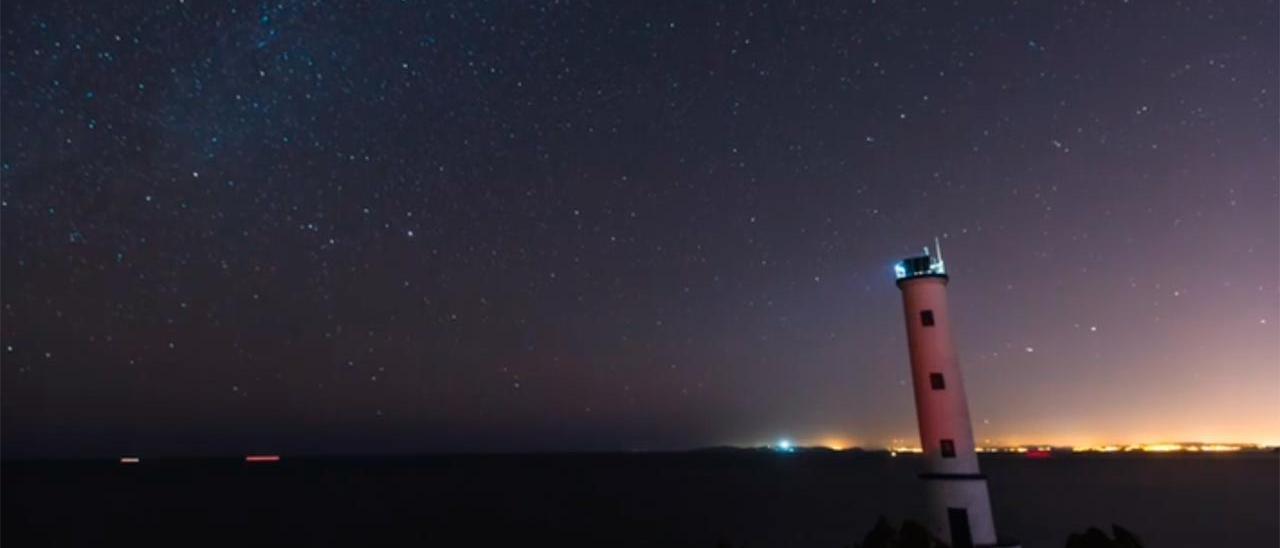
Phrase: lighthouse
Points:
(959, 506)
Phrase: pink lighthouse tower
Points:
(959, 507)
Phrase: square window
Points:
(937, 382)
(926, 318)
(948, 449)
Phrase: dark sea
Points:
(702, 499)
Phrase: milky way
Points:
(360, 227)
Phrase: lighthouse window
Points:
(948, 449)
(926, 318)
(937, 382)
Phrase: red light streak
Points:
(262, 458)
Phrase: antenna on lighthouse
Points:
(938, 244)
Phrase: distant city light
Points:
(130, 460)
(785, 446)
(1041, 451)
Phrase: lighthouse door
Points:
(958, 519)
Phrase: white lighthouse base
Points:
(959, 505)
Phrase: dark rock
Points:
(914, 535)
(880, 536)
(1125, 538)
(1095, 538)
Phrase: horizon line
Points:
(1179, 447)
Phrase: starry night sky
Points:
(366, 227)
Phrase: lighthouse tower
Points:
(959, 507)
